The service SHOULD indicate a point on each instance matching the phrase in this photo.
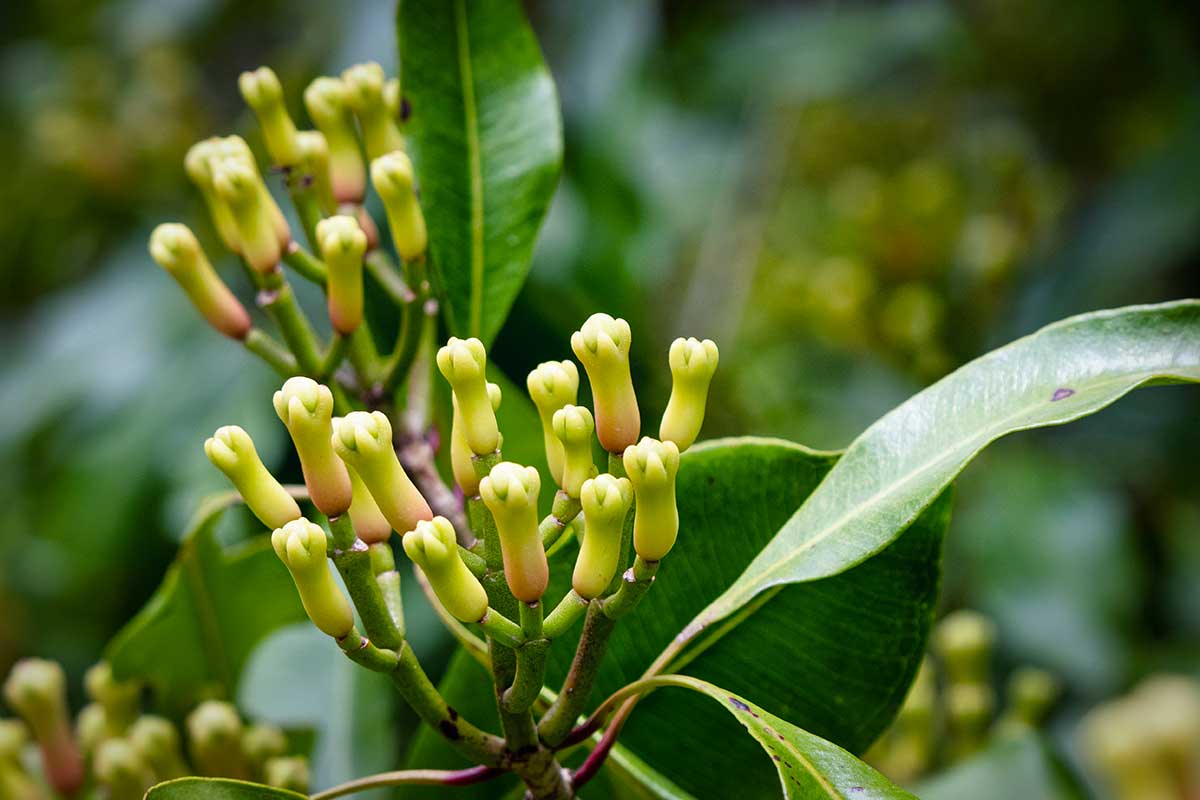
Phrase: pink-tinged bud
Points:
(314, 168)
(37, 690)
(510, 492)
(176, 250)
(364, 441)
(263, 93)
(463, 363)
(242, 190)
(692, 366)
(365, 89)
(343, 245)
(461, 458)
(325, 99)
(198, 164)
(306, 408)
(232, 451)
(551, 386)
(369, 522)
(651, 466)
(602, 346)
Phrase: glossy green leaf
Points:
(217, 789)
(196, 633)
(834, 657)
(298, 678)
(808, 767)
(1023, 767)
(896, 468)
(486, 141)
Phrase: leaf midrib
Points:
(474, 165)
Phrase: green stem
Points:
(383, 564)
(264, 345)
(558, 720)
(334, 355)
(408, 343)
(305, 264)
(384, 272)
(365, 359)
(308, 209)
(564, 510)
(634, 584)
(475, 563)
(564, 615)
(477, 648)
(353, 560)
(481, 520)
(502, 629)
(277, 300)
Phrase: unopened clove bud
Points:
(433, 547)
(325, 99)
(602, 346)
(302, 546)
(290, 772)
(177, 251)
(692, 366)
(215, 740)
(121, 700)
(15, 781)
(264, 94)
(606, 501)
(461, 458)
(365, 88)
(343, 245)
(510, 492)
(573, 427)
(261, 743)
(198, 164)
(964, 640)
(37, 690)
(369, 522)
(306, 408)
(313, 169)
(364, 441)
(241, 189)
(122, 771)
(157, 741)
(232, 451)
(393, 178)
(651, 466)
(463, 363)
(551, 386)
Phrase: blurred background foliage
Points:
(852, 198)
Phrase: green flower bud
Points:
(364, 441)
(692, 366)
(121, 699)
(964, 641)
(1031, 694)
(261, 743)
(37, 690)
(392, 176)
(1170, 706)
(15, 782)
(461, 457)
(263, 93)
(969, 710)
(606, 501)
(369, 522)
(287, 773)
(551, 386)
(365, 87)
(215, 739)
(122, 771)
(198, 165)
(306, 408)
(343, 245)
(433, 547)
(157, 742)
(240, 187)
(314, 168)
(651, 466)
(235, 149)
(463, 363)
(325, 99)
(391, 97)
(13, 738)
(92, 728)
(176, 250)
(231, 450)
(573, 427)
(602, 346)
(302, 547)
(510, 492)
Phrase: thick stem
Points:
(634, 584)
(558, 720)
(353, 561)
(383, 564)
(564, 510)
(277, 300)
(564, 615)
(263, 345)
(305, 263)
(384, 272)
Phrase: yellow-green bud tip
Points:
(573, 427)
(302, 547)
(175, 248)
(260, 88)
(232, 451)
(433, 547)
(605, 502)
(364, 441)
(463, 363)
(364, 86)
(693, 363)
(602, 346)
(393, 178)
(510, 491)
(651, 466)
(343, 243)
(290, 772)
(306, 408)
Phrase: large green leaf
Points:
(217, 789)
(196, 633)
(1023, 767)
(834, 657)
(896, 468)
(808, 767)
(486, 140)
(298, 678)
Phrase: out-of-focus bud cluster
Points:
(950, 712)
(113, 746)
(1146, 744)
